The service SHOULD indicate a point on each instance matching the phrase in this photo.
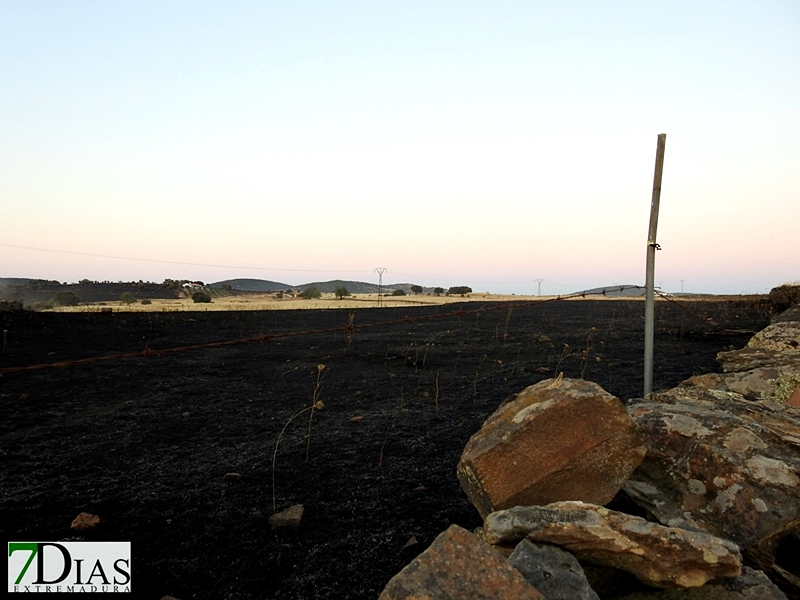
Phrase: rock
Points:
(459, 565)
(752, 585)
(554, 572)
(231, 477)
(411, 549)
(664, 557)
(561, 439)
(755, 384)
(784, 296)
(794, 397)
(84, 521)
(718, 463)
(780, 336)
(291, 517)
(792, 314)
(779, 557)
(747, 359)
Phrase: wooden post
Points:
(652, 246)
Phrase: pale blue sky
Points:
(485, 144)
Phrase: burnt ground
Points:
(113, 439)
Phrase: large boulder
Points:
(561, 439)
(719, 463)
(664, 557)
(459, 565)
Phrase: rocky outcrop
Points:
(664, 557)
(591, 448)
(784, 335)
(718, 463)
(459, 565)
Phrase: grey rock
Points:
(554, 572)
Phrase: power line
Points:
(174, 262)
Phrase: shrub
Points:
(43, 305)
(399, 293)
(66, 299)
(459, 290)
(128, 298)
(438, 291)
(279, 295)
(10, 305)
(201, 297)
(417, 289)
(340, 292)
(311, 293)
(147, 302)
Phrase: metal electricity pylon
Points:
(380, 271)
(539, 281)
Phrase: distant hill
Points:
(613, 291)
(14, 281)
(253, 285)
(326, 287)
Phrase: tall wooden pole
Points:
(652, 246)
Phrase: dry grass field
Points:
(270, 302)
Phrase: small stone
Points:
(411, 549)
(232, 477)
(186, 414)
(356, 419)
(84, 521)
(291, 517)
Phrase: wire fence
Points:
(348, 329)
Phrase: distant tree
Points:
(66, 299)
(201, 297)
(41, 283)
(311, 293)
(459, 290)
(417, 289)
(128, 298)
(399, 293)
(438, 291)
(340, 292)
(227, 286)
(279, 295)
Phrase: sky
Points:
(487, 144)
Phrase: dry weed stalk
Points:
(314, 400)
(436, 396)
(316, 404)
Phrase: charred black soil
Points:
(145, 443)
